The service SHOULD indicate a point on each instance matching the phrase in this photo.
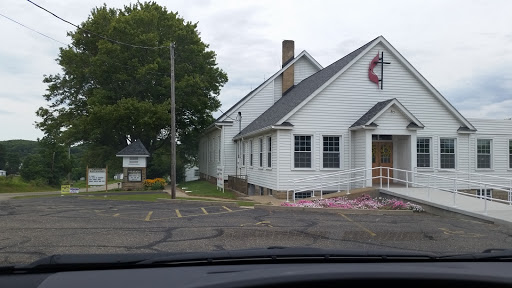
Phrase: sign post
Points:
(87, 178)
(106, 179)
(220, 178)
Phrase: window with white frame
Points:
(243, 153)
(423, 152)
(510, 154)
(483, 153)
(331, 152)
(302, 151)
(269, 151)
(447, 153)
(251, 155)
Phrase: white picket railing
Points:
(448, 184)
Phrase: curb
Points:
(204, 202)
(441, 210)
(337, 210)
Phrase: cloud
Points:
(487, 96)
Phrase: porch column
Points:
(368, 156)
(414, 158)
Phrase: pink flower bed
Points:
(362, 202)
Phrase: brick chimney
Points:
(288, 55)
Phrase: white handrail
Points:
(409, 180)
(471, 173)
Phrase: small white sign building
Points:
(134, 165)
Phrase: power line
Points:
(96, 34)
(25, 26)
(33, 30)
(223, 113)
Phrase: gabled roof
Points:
(369, 117)
(304, 54)
(370, 114)
(298, 94)
(134, 149)
(310, 87)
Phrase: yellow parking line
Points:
(204, 210)
(358, 225)
(178, 213)
(149, 216)
(227, 208)
(117, 214)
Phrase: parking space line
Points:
(227, 208)
(204, 210)
(178, 213)
(358, 225)
(148, 217)
(117, 214)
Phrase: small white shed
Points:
(3, 173)
(134, 165)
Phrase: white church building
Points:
(370, 108)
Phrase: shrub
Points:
(154, 184)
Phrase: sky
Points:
(463, 48)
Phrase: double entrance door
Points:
(382, 156)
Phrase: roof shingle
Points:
(299, 93)
(371, 113)
(134, 149)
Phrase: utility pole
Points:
(69, 158)
(173, 127)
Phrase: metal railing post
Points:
(380, 168)
(366, 175)
(348, 183)
(510, 193)
(388, 178)
(485, 199)
(322, 188)
(407, 180)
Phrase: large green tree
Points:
(2, 157)
(110, 94)
(50, 164)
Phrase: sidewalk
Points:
(266, 200)
(471, 206)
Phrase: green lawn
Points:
(17, 184)
(81, 183)
(206, 189)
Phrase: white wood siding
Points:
(500, 131)
(303, 68)
(278, 88)
(209, 165)
(253, 108)
(392, 121)
(351, 95)
(140, 162)
(262, 176)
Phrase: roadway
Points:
(35, 227)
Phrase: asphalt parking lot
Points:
(37, 227)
